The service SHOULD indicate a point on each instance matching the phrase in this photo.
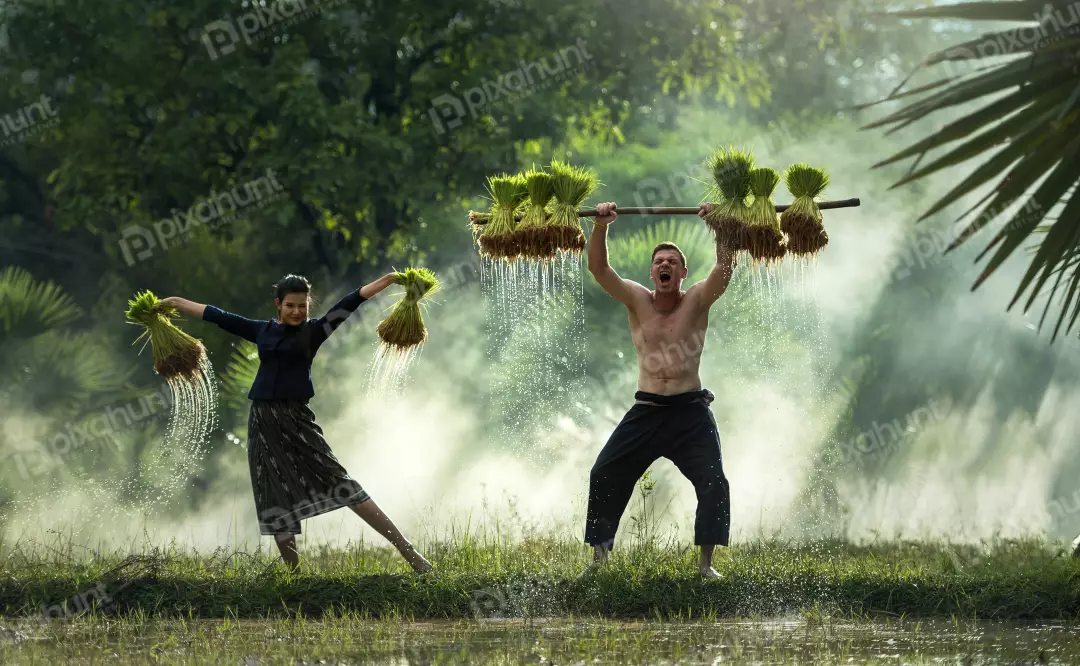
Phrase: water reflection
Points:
(805, 640)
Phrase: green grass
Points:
(538, 578)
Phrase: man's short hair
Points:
(670, 246)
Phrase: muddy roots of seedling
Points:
(806, 235)
(500, 246)
(184, 363)
(765, 244)
(570, 239)
(538, 243)
(404, 328)
(728, 228)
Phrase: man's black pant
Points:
(682, 430)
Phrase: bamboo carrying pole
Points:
(780, 208)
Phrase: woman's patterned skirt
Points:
(294, 474)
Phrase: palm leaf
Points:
(29, 307)
(631, 255)
(1028, 130)
(238, 377)
(1022, 10)
(62, 370)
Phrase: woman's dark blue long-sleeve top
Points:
(285, 352)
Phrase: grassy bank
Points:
(538, 578)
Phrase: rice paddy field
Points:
(494, 602)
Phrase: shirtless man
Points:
(671, 415)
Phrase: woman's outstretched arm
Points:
(336, 315)
(370, 290)
(227, 321)
(190, 308)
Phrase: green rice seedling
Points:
(730, 169)
(533, 237)
(177, 355)
(507, 192)
(766, 243)
(403, 329)
(571, 187)
(802, 222)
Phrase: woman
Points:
(294, 473)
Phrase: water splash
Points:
(186, 440)
(536, 324)
(159, 474)
(391, 367)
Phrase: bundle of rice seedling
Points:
(571, 185)
(534, 240)
(728, 219)
(802, 221)
(177, 355)
(403, 329)
(766, 243)
(507, 193)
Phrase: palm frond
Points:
(1027, 136)
(1022, 10)
(631, 255)
(60, 371)
(238, 377)
(29, 307)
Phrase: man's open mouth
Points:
(665, 276)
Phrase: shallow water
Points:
(549, 642)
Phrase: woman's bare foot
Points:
(417, 561)
(709, 572)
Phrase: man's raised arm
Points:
(716, 283)
(621, 290)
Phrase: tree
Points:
(161, 106)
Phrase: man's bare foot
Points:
(600, 556)
(709, 572)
